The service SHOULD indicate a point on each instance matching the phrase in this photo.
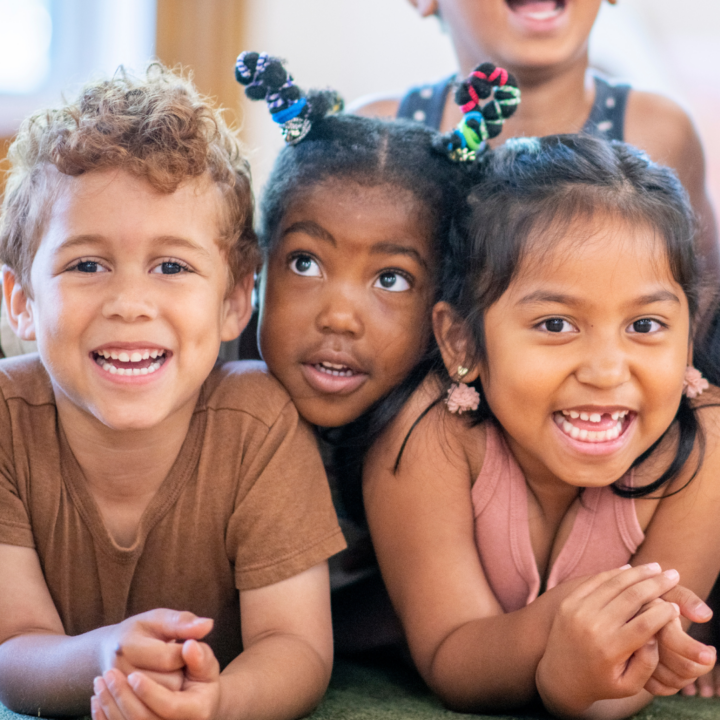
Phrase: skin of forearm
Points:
(277, 678)
(46, 674)
(490, 663)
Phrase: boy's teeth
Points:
(135, 356)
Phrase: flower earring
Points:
(462, 397)
(694, 383)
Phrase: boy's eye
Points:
(644, 326)
(88, 266)
(392, 281)
(304, 265)
(169, 267)
(556, 325)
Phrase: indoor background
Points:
(48, 47)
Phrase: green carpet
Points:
(382, 692)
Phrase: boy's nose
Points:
(341, 312)
(129, 301)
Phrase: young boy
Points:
(149, 500)
(544, 43)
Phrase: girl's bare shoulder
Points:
(425, 429)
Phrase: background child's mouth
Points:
(537, 9)
(130, 362)
(334, 369)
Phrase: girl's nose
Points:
(605, 364)
(341, 312)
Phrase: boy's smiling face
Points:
(128, 298)
(346, 297)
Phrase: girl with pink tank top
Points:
(544, 507)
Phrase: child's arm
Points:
(282, 673)
(471, 653)
(42, 669)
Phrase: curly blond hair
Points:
(157, 127)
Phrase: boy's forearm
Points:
(46, 674)
(278, 678)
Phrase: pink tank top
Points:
(604, 535)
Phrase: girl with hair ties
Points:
(555, 473)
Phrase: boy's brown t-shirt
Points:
(245, 505)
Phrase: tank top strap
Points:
(426, 103)
(607, 115)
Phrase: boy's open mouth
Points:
(593, 427)
(130, 362)
(537, 9)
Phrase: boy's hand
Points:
(139, 697)
(601, 646)
(682, 660)
(148, 642)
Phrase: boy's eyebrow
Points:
(391, 248)
(310, 228)
(162, 240)
(540, 296)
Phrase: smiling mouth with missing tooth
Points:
(130, 362)
(592, 427)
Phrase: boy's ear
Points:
(426, 8)
(452, 339)
(238, 308)
(19, 305)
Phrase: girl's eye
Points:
(304, 265)
(556, 325)
(392, 281)
(88, 266)
(644, 326)
(170, 267)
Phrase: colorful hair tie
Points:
(265, 78)
(481, 122)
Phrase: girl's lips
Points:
(332, 378)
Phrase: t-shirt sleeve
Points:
(284, 520)
(15, 526)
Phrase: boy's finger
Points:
(96, 711)
(201, 664)
(159, 699)
(144, 653)
(691, 605)
(126, 701)
(683, 654)
(173, 681)
(655, 687)
(671, 679)
(106, 701)
(176, 624)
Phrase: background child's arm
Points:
(471, 653)
(42, 669)
(666, 133)
(282, 673)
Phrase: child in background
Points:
(544, 43)
(569, 294)
(164, 522)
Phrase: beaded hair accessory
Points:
(481, 122)
(265, 78)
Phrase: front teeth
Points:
(590, 435)
(135, 356)
(333, 369)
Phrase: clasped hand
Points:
(615, 635)
(155, 667)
